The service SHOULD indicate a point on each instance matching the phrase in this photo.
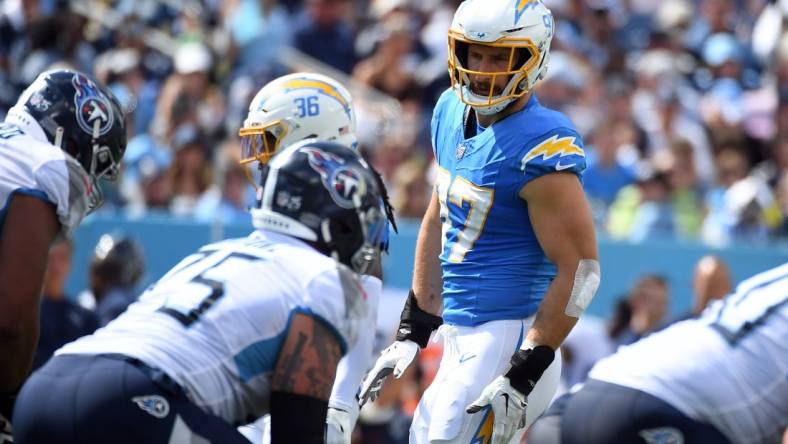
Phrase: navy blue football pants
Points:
(604, 413)
(111, 399)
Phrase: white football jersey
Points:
(728, 368)
(216, 322)
(32, 166)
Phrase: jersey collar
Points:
(21, 118)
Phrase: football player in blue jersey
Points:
(506, 259)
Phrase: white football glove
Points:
(339, 426)
(395, 359)
(6, 437)
(508, 407)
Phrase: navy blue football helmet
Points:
(326, 194)
(83, 118)
(119, 259)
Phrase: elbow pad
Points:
(587, 278)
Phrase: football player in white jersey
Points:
(64, 134)
(718, 378)
(242, 328)
(289, 109)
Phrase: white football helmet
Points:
(524, 26)
(296, 107)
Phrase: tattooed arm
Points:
(302, 381)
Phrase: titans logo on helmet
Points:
(342, 182)
(91, 106)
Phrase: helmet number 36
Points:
(307, 106)
(468, 199)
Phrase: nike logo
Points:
(559, 167)
(466, 357)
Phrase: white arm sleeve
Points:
(355, 364)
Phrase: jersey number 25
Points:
(462, 194)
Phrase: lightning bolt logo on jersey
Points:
(493, 266)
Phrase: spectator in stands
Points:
(392, 65)
(188, 95)
(411, 192)
(321, 32)
(191, 173)
(116, 268)
(643, 211)
(648, 301)
(228, 201)
(685, 189)
(261, 29)
(62, 320)
(712, 281)
(742, 206)
(605, 175)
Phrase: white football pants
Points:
(472, 358)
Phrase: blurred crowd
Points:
(683, 104)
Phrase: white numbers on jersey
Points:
(191, 292)
(748, 308)
(457, 193)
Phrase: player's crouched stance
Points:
(242, 328)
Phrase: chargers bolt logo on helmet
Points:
(91, 106)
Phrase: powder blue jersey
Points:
(493, 266)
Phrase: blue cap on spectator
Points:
(720, 48)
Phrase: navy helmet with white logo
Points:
(326, 194)
(81, 117)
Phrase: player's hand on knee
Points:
(338, 426)
(508, 408)
(395, 359)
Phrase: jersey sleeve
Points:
(67, 186)
(438, 119)
(354, 365)
(558, 150)
(337, 298)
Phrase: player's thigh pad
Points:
(472, 358)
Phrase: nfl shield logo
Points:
(460, 151)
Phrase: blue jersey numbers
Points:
(472, 202)
(307, 106)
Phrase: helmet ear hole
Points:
(344, 239)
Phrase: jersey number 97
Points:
(471, 200)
